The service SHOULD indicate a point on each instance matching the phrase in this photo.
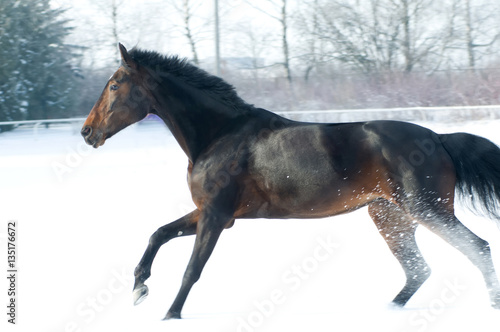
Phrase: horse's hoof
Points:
(140, 294)
(395, 306)
(172, 315)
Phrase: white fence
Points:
(432, 114)
(37, 123)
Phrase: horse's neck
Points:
(193, 123)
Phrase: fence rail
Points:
(435, 114)
(37, 123)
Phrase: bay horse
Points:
(246, 162)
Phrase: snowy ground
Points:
(85, 217)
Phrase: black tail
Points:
(477, 163)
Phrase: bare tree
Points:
(280, 14)
(307, 24)
(251, 40)
(110, 27)
(187, 10)
(286, 51)
(380, 35)
(418, 40)
(476, 30)
(114, 27)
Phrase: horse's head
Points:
(125, 100)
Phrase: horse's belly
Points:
(305, 186)
(301, 172)
(299, 199)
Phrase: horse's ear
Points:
(127, 61)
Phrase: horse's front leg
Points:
(210, 226)
(181, 227)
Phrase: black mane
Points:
(198, 78)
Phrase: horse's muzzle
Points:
(93, 137)
(86, 131)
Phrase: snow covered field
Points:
(85, 216)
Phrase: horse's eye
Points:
(113, 87)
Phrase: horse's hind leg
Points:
(181, 227)
(473, 247)
(398, 231)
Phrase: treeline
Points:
(286, 54)
(382, 53)
(377, 36)
(38, 77)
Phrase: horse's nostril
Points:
(86, 131)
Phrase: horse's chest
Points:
(215, 176)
